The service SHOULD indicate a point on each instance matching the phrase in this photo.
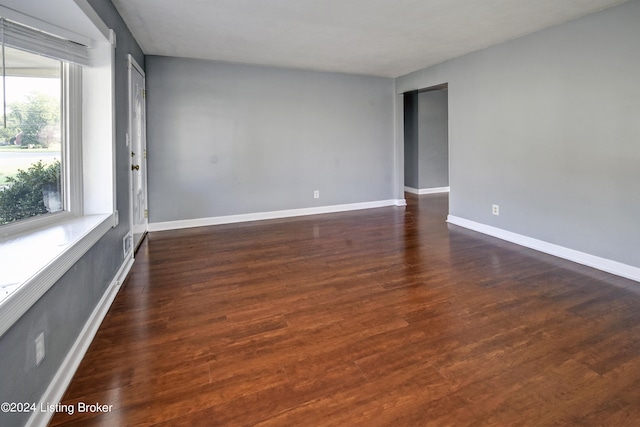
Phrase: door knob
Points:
(135, 167)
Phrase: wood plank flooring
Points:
(382, 317)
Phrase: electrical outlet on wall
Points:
(495, 209)
(316, 194)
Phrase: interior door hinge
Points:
(145, 154)
(146, 213)
(144, 93)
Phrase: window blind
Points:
(31, 40)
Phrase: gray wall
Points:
(433, 139)
(64, 309)
(228, 139)
(547, 126)
(411, 143)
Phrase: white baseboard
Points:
(63, 377)
(421, 191)
(259, 216)
(604, 264)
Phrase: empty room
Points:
(286, 213)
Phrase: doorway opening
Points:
(426, 140)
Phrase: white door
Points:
(138, 147)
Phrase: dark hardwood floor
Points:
(383, 317)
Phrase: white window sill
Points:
(33, 262)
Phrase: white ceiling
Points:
(376, 37)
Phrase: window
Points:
(32, 144)
(37, 124)
(58, 99)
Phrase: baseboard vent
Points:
(127, 243)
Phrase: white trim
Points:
(73, 155)
(27, 225)
(98, 132)
(83, 233)
(96, 20)
(434, 190)
(411, 190)
(259, 216)
(64, 375)
(604, 264)
(133, 63)
(398, 152)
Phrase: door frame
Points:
(400, 138)
(133, 67)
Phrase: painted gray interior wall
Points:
(411, 153)
(433, 139)
(546, 126)
(64, 309)
(227, 139)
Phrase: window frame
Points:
(71, 157)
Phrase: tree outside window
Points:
(30, 138)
